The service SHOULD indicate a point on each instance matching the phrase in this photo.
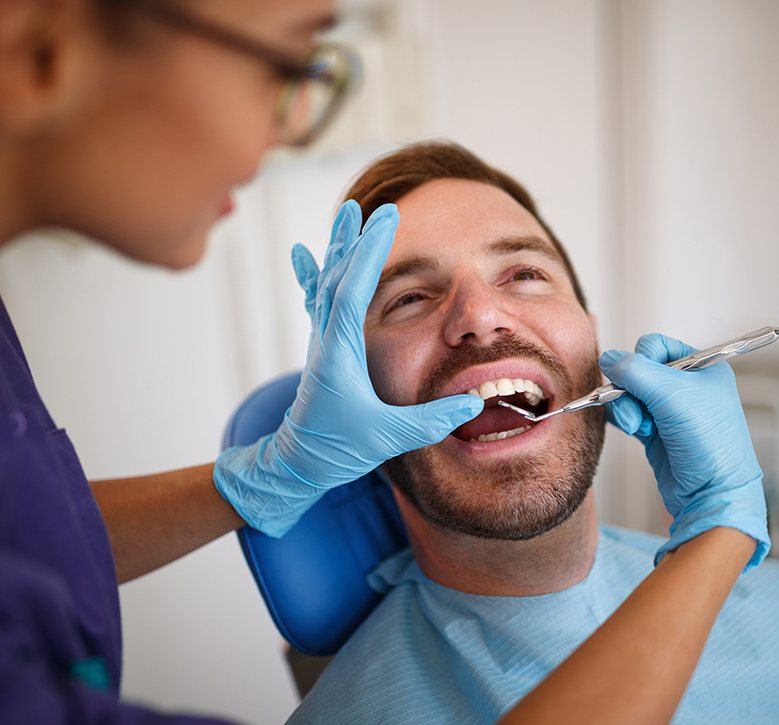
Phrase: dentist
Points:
(131, 121)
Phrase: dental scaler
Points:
(697, 361)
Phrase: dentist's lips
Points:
(226, 206)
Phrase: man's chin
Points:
(505, 502)
(513, 489)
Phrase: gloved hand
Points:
(337, 429)
(695, 436)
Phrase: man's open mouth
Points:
(497, 423)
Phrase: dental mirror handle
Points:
(696, 361)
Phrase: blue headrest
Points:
(313, 578)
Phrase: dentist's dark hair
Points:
(398, 173)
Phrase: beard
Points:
(511, 500)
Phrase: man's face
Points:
(474, 293)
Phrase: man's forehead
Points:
(454, 216)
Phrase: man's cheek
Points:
(583, 360)
(385, 370)
(574, 340)
(396, 365)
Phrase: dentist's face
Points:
(474, 296)
(162, 125)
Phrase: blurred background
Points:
(646, 130)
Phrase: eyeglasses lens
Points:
(308, 103)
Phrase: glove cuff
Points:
(265, 493)
(743, 509)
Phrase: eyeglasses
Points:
(314, 89)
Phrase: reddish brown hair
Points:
(391, 177)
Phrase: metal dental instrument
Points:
(697, 361)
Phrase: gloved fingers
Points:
(343, 236)
(661, 348)
(362, 275)
(631, 417)
(307, 274)
(422, 425)
(344, 233)
(355, 290)
(640, 376)
(647, 429)
(625, 414)
(333, 275)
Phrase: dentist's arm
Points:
(153, 520)
(636, 667)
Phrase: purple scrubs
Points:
(60, 635)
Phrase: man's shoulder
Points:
(757, 586)
(763, 578)
(737, 679)
(762, 583)
(354, 683)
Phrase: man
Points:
(508, 571)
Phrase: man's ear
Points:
(39, 46)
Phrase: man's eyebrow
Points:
(406, 268)
(532, 243)
(498, 247)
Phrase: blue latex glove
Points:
(695, 436)
(337, 429)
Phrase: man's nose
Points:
(475, 316)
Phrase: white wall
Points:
(647, 132)
(701, 179)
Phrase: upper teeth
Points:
(504, 386)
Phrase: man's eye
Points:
(527, 274)
(406, 299)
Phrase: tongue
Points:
(491, 420)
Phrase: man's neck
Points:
(548, 563)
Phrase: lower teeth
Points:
(500, 436)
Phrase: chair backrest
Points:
(313, 579)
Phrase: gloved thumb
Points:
(429, 423)
(635, 373)
(661, 348)
(627, 414)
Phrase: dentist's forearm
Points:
(153, 520)
(636, 667)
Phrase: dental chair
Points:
(313, 579)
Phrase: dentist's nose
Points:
(476, 317)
